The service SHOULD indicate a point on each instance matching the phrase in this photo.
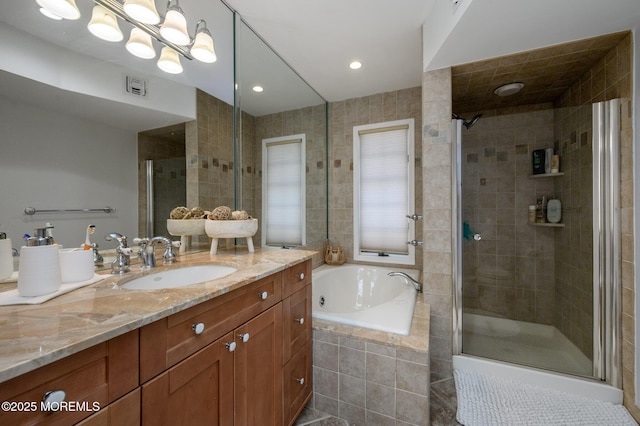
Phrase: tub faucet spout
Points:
(417, 285)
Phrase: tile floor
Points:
(442, 402)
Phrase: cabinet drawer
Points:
(297, 383)
(98, 375)
(296, 319)
(296, 277)
(170, 340)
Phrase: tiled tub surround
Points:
(35, 335)
(372, 377)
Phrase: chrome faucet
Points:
(148, 251)
(416, 284)
(121, 263)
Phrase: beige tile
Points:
(381, 399)
(381, 369)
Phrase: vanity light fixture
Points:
(355, 65)
(139, 44)
(509, 89)
(65, 9)
(202, 48)
(169, 61)
(104, 25)
(171, 31)
(143, 11)
(174, 27)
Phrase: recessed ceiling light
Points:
(355, 65)
(258, 89)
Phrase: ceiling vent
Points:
(136, 86)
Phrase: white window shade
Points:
(283, 188)
(383, 191)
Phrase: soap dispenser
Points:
(42, 237)
(39, 268)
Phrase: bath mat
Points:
(493, 401)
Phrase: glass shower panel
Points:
(527, 293)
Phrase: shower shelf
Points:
(546, 175)
(548, 225)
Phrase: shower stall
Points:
(543, 294)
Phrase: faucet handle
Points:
(169, 256)
(120, 239)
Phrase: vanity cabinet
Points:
(297, 368)
(91, 379)
(166, 342)
(242, 358)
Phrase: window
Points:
(383, 193)
(283, 190)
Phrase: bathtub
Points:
(364, 296)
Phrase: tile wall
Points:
(368, 383)
(169, 179)
(310, 121)
(209, 152)
(343, 116)
(437, 205)
(510, 272)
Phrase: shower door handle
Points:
(477, 237)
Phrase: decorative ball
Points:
(239, 215)
(220, 213)
(197, 213)
(179, 212)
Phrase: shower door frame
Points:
(607, 291)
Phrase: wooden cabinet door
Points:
(258, 370)
(196, 391)
(122, 412)
(296, 327)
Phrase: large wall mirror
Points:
(74, 138)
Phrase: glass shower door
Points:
(525, 291)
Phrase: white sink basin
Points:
(179, 277)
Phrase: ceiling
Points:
(319, 38)
(546, 73)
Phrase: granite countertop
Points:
(35, 335)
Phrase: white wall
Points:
(53, 160)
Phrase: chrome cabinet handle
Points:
(230, 346)
(301, 276)
(51, 399)
(244, 337)
(299, 320)
(198, 328)
(263, 295)
(300, 380)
